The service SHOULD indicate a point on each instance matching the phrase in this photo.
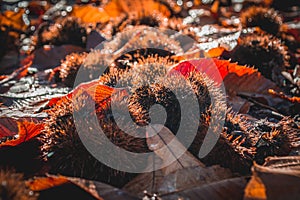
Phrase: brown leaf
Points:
(278, 178)
(165, 144)
(16, 75)
(185, 172)
(220, 190)
(253, 88)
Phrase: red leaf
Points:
(213, 68)
(20, 131)
(101, 94)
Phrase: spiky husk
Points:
(134, 18)
(13, 186)
(265, 18)
(146, 66)
(64, 152)
(140, 37)
(149, 84)
(154, 20)
(67, 71)
(63, 148)
(264, 52)
(66, 30)
(246, 140)
(127, 48)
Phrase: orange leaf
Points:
(17, 74)
(25, 131)
(214, 52)
(90, 14)
(146, 7)
(277, 178)
(211, 67)
(44, 183)
(13, 19)
(283, 96)
(100, 93)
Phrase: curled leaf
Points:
(278, 178)
(54, 186)
(18, 132)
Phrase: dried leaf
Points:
(16, 75)
(75, 188)
(99, 93)
(212, 36)
(278, 178)
(185, 172)
(220, 190)
(43, 183)
(243, 84)
(13, 20)
(25, 91)
(254, 88)
(92, 14)
(12, 136)
(214, 52)
(146, 7)
(165, 144)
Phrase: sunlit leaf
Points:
(90, 14)
(19, 132)
(13, 20)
